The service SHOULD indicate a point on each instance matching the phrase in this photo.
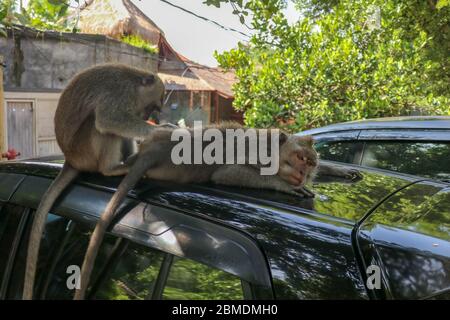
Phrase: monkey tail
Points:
(128, 183)
(64, 178)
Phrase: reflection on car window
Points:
(132, 276)
(55, 227)
(195, 281)
(122, 271)
(426, 159)
(443, 296)
(64, 244)
(9, 221)
(74, 239)
(342, 151)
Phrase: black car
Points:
(386, 236)
(413, 145)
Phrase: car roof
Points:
(416, 122)
(336, 198)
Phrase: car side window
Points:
(64, 266)
(54, 229)
(10, 220)
(341, 151)
(442, 296)
(191, 280)
(131, 274)
(425, 159)
(135, 272)
(123, 270)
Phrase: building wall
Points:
(50, 60)
(43, 110)
(222, 110)
(39, 66)
(188, 105)
(227, 112)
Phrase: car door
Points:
(150, 253)
(12, 223)
(405, 244)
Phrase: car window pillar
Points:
(163, 275)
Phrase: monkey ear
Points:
(308, 141)
(149, 80)
(283, 138)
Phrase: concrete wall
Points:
(39, 66)
(47, 61)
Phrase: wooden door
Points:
(20, 127)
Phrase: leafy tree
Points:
(343, 60)
(6, 15)
(40, 14)
(408, 18)
(47, 14)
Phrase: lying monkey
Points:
(99, 114)
(297, 159)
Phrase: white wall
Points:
(44, 107)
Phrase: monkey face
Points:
(151, 112)
(150, 96)
(298, 160)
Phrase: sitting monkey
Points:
(298, 163)
(99, 114)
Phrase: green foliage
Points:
(442, 3)
(135, 275)
(47, 14)
(421, 212)
(217, 3)
(240, 8)
(427, 160)
(40, 14)
(342, 203)
(137, 41)
(194, 281)
(6, 15)
(343, 60)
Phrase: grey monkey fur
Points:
(297, 156)
(99, 114)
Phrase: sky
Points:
(192, 37)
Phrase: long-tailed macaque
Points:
(99, 114)
(298, 163)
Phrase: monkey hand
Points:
(349, 173)
(354, 175)
(331, 169)
(304, 191)
(168, 125)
